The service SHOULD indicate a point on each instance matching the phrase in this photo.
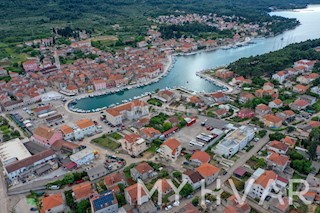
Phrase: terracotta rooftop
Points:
(203, 157)
(172, 143)
(114, 178)
(272, 118)
(44, 132)
(263, 179)
(278, 159)
(207, 170)
(82, 190)
(133, 192)
(51, 201)
(84, 123)
(143, 168)
(65, 129)
(279, 145)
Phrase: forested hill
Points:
(269, 63)
(27, 19)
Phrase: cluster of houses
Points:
(220, 22)
(47, 150)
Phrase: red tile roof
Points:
(172, 143)
(207, 170)
(264, 179)
(82, 191)
(278, 159)
(203, 157)
(143, 168)
(51, 201)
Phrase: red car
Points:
(79, 181)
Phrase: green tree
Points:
(83, 206)
(177, 174)
(313, 141)
(186, 190)
(195, 201)
(68, 178)
(276, 136)
(167, 126)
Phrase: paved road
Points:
(3, 194)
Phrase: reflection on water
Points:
(183, 71)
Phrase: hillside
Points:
(23, 20)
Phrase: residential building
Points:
(234, 141)
(245, 113)
(262, 110)
(64, 146)
(278, 162)
(208, 172)
(142, 171)
(268, 86)
(315, 90)
(277, 103)
(220, 97)
(131, 111)
(278, 147)
(31, 65)
(104, 203)
(307, 64)
(263, 183)
(291, 142)
(14, 169)
(67, 131)
(245, 97)
(46, 136)
(287, 115)
(100, 84)
(318, 152)
(171, 149)
(150, 133)
(82, 157)
(85, 127)
(133, 144)
(97, 172)
(199, 157)
(233, 206)
(301, 89)
(193, 178)
(131, 195)
(272, 121)
(299, 105)
(307, 79)
(82, 191)
(310, 99)
(166, 95)
(53, 203)
(113, 180)
(280, 76)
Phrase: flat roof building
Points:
(13, 150)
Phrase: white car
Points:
(177, 203)
(168, 208)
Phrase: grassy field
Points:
(106, 142)
(115, 136)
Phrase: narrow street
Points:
(3, 194)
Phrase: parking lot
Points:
(188, 133)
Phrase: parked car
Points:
(168, 208)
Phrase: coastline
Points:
(167, 68)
